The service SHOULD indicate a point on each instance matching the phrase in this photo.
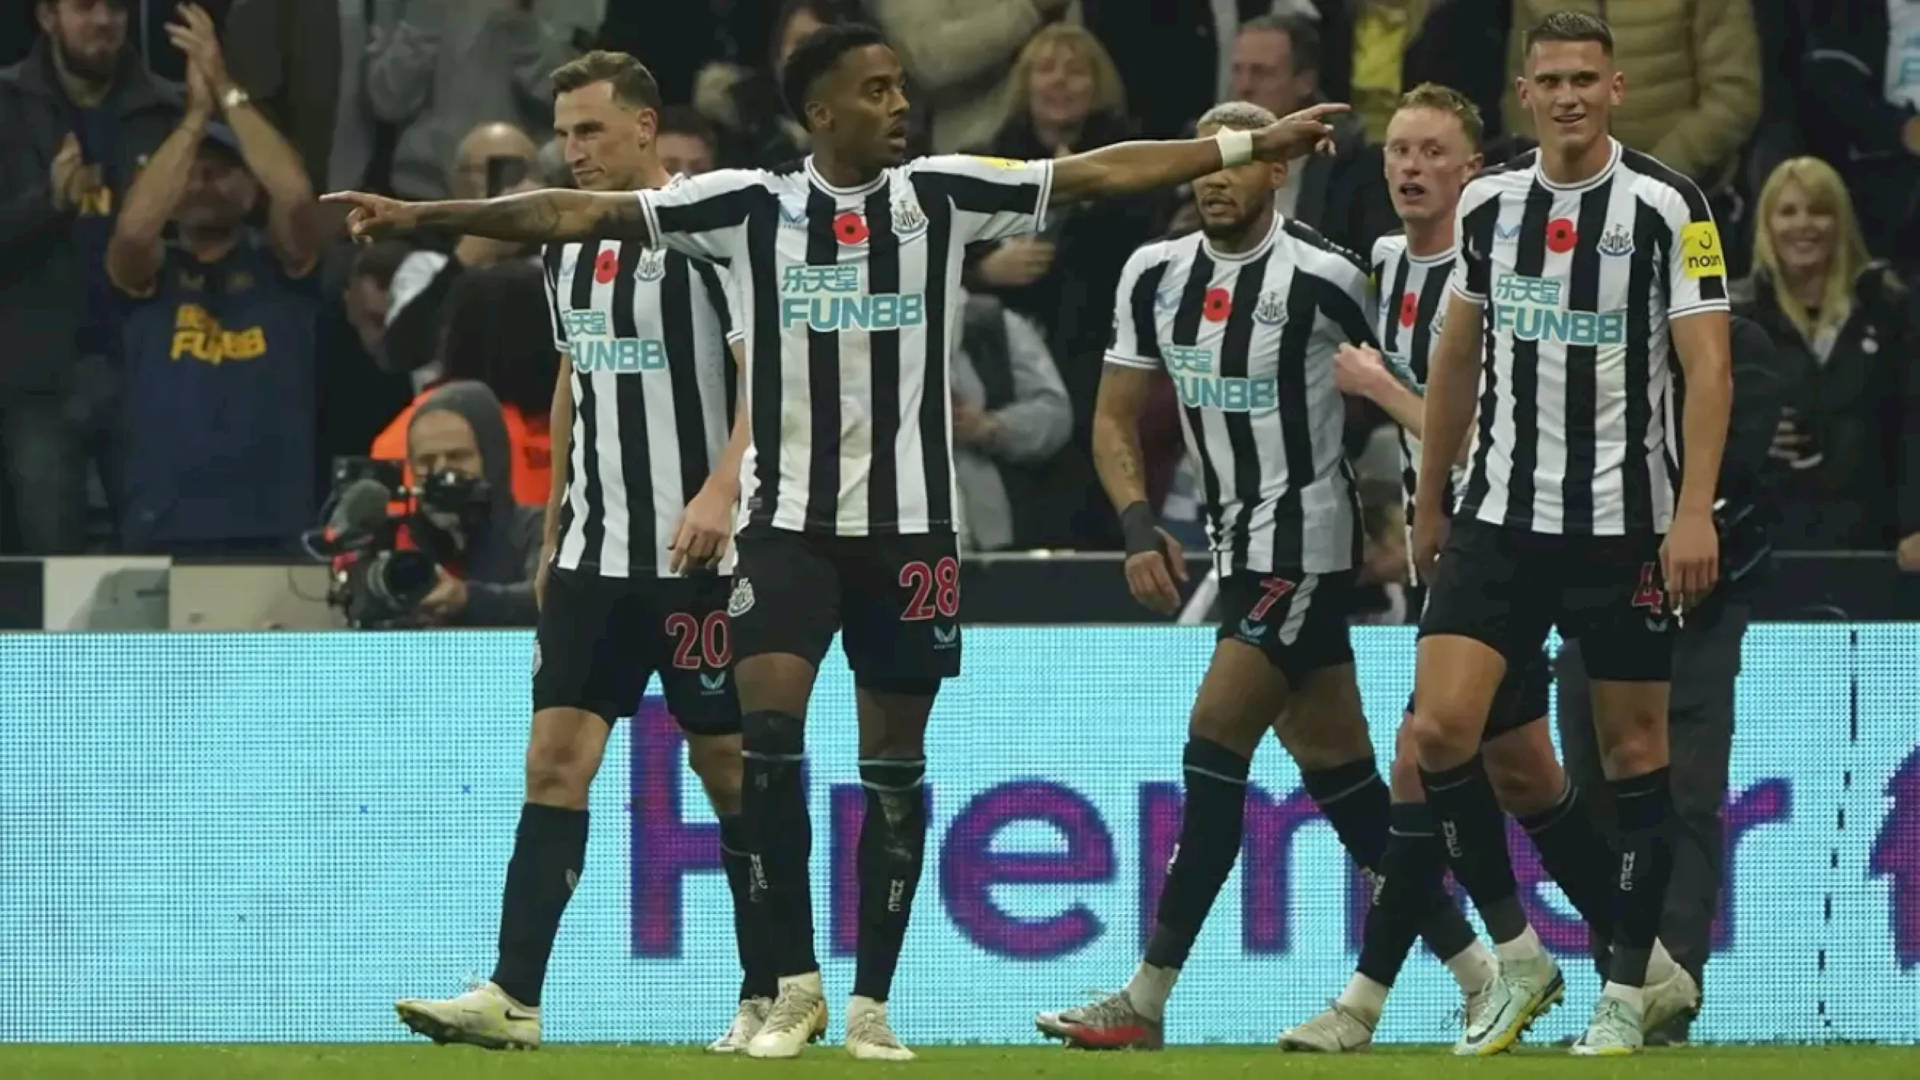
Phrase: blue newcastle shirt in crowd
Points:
(220, 377)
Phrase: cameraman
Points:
(487, 547)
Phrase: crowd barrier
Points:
(268, 837)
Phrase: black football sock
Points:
(549, 849)
(749, 915)
(1645, 805)
(893, 837)
(779, 836)
(1409, 889)
(1210, 832)
(1576, 856)
(1354, 801)
(1473, 833)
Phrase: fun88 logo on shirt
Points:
(593, 347)
(1191, 368)
(1531, 309)
(829, 299)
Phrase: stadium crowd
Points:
(190, 339)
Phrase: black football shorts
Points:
(894, 599)
(599, 639)
(1507, 587)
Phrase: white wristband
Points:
(1236, 148)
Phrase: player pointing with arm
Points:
(842, 265)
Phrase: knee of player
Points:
(558, 774)
(1437, 733)
(718, 765)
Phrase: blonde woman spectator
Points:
(1849, 343)
(1065, 98)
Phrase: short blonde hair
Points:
(1430, 95)
(1109, 95)
(1827, 194)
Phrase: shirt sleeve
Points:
(1136, 330)
(1696, 268)
(1347, 296)
(1474, 264)
(736, 324)
(549, 268)
(704, 217)
(992, 198)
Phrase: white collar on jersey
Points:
(1253, 252)
(1445, 254)
(1595, 180)
(820, 182)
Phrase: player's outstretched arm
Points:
(535, 217)
(1131, 167)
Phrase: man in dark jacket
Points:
(1706, 659)
(488, 556)
(77, 117)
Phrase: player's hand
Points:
(374, 217)
(65, 172)
(1357, 369)
(705, 527)
(1152, 575)
(1018, 262)
(447, 599)
(1298, 134)
(540, 576)
(1690, 560)
(1430, 527)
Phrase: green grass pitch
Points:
(575, 1062)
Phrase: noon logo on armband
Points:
(1700, 254)
(999, 162)
(741, 601)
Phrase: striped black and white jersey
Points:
(1413, 309)
(647, 331)
(850, 299)
(1249, 340)
(1578, 286)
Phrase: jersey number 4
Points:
(1648, 593)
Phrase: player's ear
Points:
(1617, 88)
(1278, 174)
(816, 115)
(649, 124)
(1475, 163)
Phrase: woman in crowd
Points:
(1849, 336)
(1066, 99)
